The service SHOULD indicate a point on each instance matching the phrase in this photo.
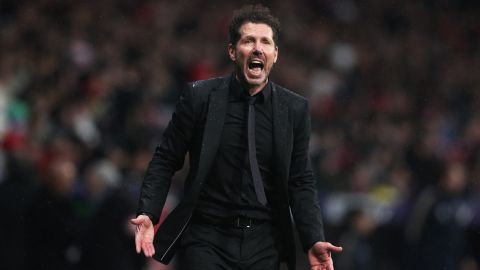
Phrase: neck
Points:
(252, 89)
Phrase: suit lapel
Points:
(217, 109)
(166, 238)
(280, 131)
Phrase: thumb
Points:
(334, 248)
(137, 221)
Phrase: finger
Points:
(148, 249)
(138, 245)
(333, 248)
(330, 264)
(151, 250)
(145, 250)
(138, 241)
(136, 221)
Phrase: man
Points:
(247, 140)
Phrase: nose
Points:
(258, 50)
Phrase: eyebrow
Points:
(261, 37)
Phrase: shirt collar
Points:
(237, 92)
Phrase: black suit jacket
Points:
(196, 128)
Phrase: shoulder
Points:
(200, 90)
(209, 84)
(296, 105)
(291, 98)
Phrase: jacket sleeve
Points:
(169, 156)
(302, 187)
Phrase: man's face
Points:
(254, 54)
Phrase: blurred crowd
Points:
(87, 87)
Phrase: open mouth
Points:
(255, 66)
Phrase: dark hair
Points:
(255, 14)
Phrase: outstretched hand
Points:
(320, 256)
(144, 233)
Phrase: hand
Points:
(320, 257)
(144, 233)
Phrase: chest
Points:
(234, 137)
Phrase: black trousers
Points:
(206, 246)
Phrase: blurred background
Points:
(87, 87)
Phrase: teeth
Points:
(255, 64)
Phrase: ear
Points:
(231, 52)
(275, 55)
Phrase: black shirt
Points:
(229, 190)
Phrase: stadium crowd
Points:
(86, 88)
